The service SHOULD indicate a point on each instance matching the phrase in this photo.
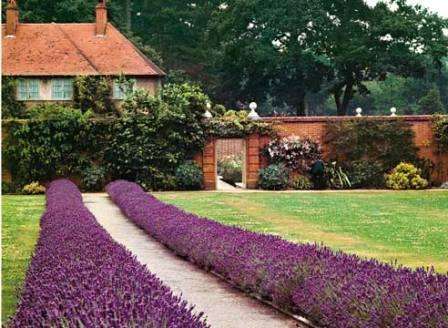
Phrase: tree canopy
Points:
(293, 56)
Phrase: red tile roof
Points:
(72, 49)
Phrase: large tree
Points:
(366, 44)
(260, 51)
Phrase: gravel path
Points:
(224, 306)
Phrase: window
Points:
(29, 89)
(121, 89)
(61, 89)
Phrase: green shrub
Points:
(301, 182)
(405, 176)
(93, 178)
(47, 145)
(274, 177)
(189, 176)
(33, 188)
(7, 188)
(440, 127)
(366, 174)
(231, 169)
(145, 147)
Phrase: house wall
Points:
(315, 128)
(152, 84)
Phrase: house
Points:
(45, 58)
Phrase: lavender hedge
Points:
(80, 277)
(332, 288)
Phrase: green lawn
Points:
(20, 229)
(408, 227)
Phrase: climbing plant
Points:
(440, 127)
(93, 93)
(10, 106)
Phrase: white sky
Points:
(439, 6)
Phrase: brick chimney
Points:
(101, 18)
(12, 18)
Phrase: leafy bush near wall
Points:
(144, 147)
(440, 127)
(189, 176)
(364, 174)
(372, 146)
(47, 145)
(274, 177)
(93, 177)
(405, 176)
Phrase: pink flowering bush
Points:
(297, 154)
(332, 288)
(80, 277)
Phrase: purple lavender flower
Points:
(80, 277)
(332, 288)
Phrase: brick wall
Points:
(315, 127)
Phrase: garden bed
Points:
(334, 289)
(79, 276)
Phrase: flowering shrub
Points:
(295, 153)
(33, 188)
(405, 176)
(80, 277)
(334, 289)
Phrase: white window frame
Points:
(118, 93)
(62, 89)
(25, 90)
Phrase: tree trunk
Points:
(347, 96)
(300, 107)
(128, 11)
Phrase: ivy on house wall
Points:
(93, 93)
(146, 146)
(10, 106)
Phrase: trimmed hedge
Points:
(332, 288)
(80, 277)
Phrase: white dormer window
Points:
(28, 89)
(62, 89)
(121, 89)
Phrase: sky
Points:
(439, 6)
